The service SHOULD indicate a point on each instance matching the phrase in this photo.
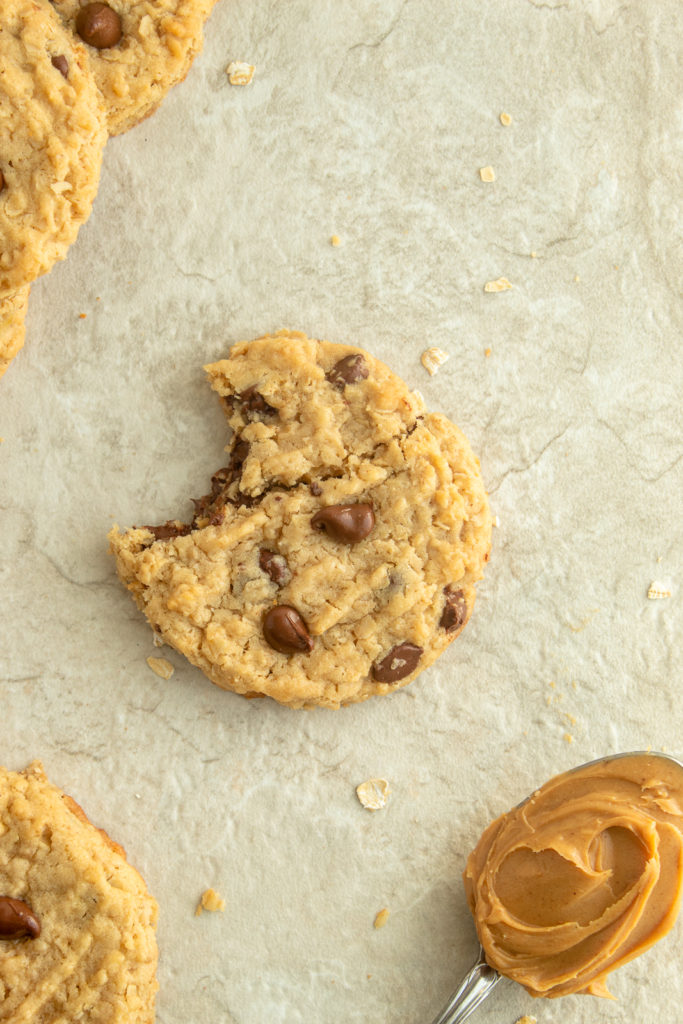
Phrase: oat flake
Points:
(500, 285)
(373, 794)
(433, 358)
(239, 73)
(161, 667)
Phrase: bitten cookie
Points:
(12, 326)
(77, 925)
(336, 555)
(137, 50)
(53, 134)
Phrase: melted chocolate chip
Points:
(252, 401)
(454, 614)
(348, 370)
(99, 26)
(275, 566)
(397, 664)
(168, 530)
(285, 630)
(346, 523)
(17, 920)
(2, 181)
(62, 65)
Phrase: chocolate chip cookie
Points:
(137, 50)
(53, 133)
(12, 326)
(336, 553)
(77, 925)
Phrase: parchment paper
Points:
(369, 120)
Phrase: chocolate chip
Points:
(398, 663)
(347, 523)
(2, 181)
(239, 454)
(454, 614)
(98, 25)
(252, 401)
(62, 65)
(17, 920)
(275, 566)
(168, 530)
(315, 488)
(285, 630)
(348, 370)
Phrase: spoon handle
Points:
(474, 988)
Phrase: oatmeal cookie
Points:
(12, 326)
(137, 49)
(336, 554)
(77, 925)
(53, 133)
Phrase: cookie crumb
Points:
(161, 667)
(335, 240)
(487, 352)
(658, 592)
(527, 1020)
(500, 285)
(433, 358)
(210, 900)
(487, 173)
(505, 119)
(576, 278)
(373, 794)
(568, 737)
(381, 918)
(239, 73)
(82, 316)
(534, 255)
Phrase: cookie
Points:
(138, 49)
(12, 326)
(77, 925)
(336, 555)
(52, 140)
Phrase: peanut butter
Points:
(583, 876)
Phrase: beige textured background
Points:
(368, 119)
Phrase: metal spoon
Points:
(481, 978)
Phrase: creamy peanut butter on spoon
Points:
(581, 877)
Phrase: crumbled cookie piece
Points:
(501, 284)
(381, 918)
(210, 900)
(505, 120)
(658, 591)
(487, 174)
(373, 794)
(239, 73)
(335, 240)
(432, 358)
(527, 1020)
(161, 667)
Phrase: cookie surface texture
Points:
(12, 326)
(158, 40)
(336, 555)
(94, 959)
(52, 140)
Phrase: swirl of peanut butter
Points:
(583, 876)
